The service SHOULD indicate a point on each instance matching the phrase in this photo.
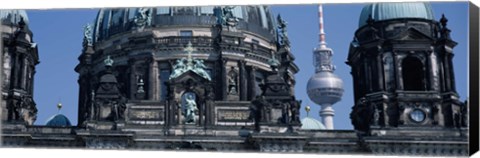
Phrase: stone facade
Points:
(19, 58)
(404, 87)
(233, 88)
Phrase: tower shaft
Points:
(327, 114)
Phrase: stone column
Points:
(451, 72)
(242, 78)
(397, 72)
(153, 87)
(380, 78)
(367, 75)
(23, 79)
(433, 71)
(15, 67)
(133, 81)
(224, 79)
(32, 82)
(447, 72)
(252, 82)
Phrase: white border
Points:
(56, 4)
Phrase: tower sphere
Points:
(325, 88)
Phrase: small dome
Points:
(310, 123)
(386, 11)
(58, 120)
(13, 16)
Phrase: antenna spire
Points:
(323, 43)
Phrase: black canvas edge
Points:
(473, 77)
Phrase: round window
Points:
(417, 115)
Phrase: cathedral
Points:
(221, 78)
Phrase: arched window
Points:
(413, 74)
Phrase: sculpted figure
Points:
(232, 82)
(87, 34)
(361, 115)
(199, 68)
(282, 26)
(178, 68)
(190, 108)
(142, 18)
(230, 20)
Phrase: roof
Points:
(310, 123)
(386, 11)
(257, 19)
(58, 120)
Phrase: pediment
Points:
(189, 75)
(412, 34)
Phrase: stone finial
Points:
(443, 21)
(21, 23)
(108, 62)
(370, 20)
(273, 62)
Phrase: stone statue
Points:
(232, 82)
(121, 106)
(230, 20)
(282, 26)
(286, 113)
(140, 85)
(262, 108)
(376, 116)
(294, 110)
(26, 110)
(190, 108)
(361, 115)
(257, 111)
(178, 68)
(199, 68)
(218, 12)
(142, 18)
(232, 85)
(92, 106)
(87, 35)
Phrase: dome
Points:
(386, 11)
(58, 120)
(13, 16)
(325, 88)
(257, 19)
(310, 123)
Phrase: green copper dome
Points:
(59, 120)
(257, 19)
(386, 11)
(309, 123)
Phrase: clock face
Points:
(417, 115)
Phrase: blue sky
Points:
(59, 36)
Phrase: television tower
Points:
(324, 87)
